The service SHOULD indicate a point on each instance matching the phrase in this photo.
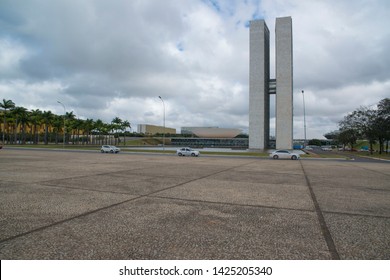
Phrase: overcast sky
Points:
(104, 59)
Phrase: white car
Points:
(109, 149)
(284, 154)
(187, 152)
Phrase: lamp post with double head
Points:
(63, 143)
(163, 123)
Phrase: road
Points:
(354, 157)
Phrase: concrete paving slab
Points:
(366, 179)
(46, 170)
(283, 166)
(355, 200)
(244, 193)
(118, 182)
(183, 170)
(360, 237)
(152, 228)
(78, 205)
(261, 177)
(351, 189)
(25, 207)
(344, 168)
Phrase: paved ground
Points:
(74, 205)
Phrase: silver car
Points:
(187, 152)
(284, 154)
(109, 149)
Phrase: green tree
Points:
(88, 126)
(315, 142)
(78, 125)
(333, 135)
(70, 125)
(106, 129)
(348, 137)
(36, 120)
(383, 121)
(24, 121)
(6, 105)
(116, 125)
(365, 124)
(58, 125)
(20, 117)
(47, 117)
(99, 125)
(350, 129)
(125, 124)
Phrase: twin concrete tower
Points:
(261, 86)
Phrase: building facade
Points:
(259, 76)
(284, 83)
(149, 129)
(211, 132)
(261, 86)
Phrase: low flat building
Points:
(238, 143)
(211, 132)
(149, 129)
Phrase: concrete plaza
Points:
(88, 205)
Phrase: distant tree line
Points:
(21, 126)
(366, 124)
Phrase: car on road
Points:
(284, 154)
(187, 152)
(109, 149)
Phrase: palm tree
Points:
(88, 127)
(36, 118)
(70, 118)
(106, 129)
(10, 128)
(47, 117)
(125, 124)
(19, 114)
(6, 104)
(24, 120)
(78, 125)
(116, 122)
(58, 124)
(99, 127)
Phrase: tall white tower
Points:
(284, 83)
(258, 85)
(261, 86)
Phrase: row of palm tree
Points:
(21, 126)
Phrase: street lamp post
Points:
(304, 117)
(163, 123)
(63, 142)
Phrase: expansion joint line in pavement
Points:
(111, 206)
(65, 220)
(324, 228)
(368, 169)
